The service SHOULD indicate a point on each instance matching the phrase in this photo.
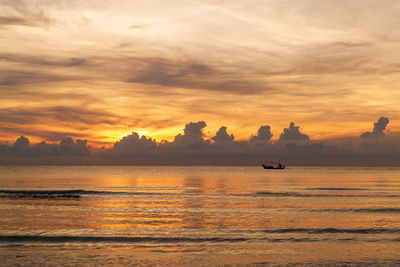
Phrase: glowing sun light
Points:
(141, 132)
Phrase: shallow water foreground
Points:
(199, 216)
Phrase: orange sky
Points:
(99, 70)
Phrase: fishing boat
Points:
(271, 165)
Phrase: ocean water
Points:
(199, 216)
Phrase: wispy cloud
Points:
(22, 14)
(43, 61)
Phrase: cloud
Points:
(293, 134)
(192, 136)
(263, 135)
(222, 137)
(78, 147)
(379, 127)
(349, 44)
(44, 134)
(27, 69)
(17, 12)
(33, 21)
(44, 149)
(139, 26)
(133, 144)
(44, 61)
(20, 77)
(9, 20)
(193, 74)
(60, 114)
(182, 72)
(260, 61)
(67, 147)
(192, 148)
(21, 146)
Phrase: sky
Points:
(98, 71)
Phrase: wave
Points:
(41, 193)
(337, 189)
(334, 231)
(162, 240)
(296, 194)
(78, 193)
(115, 239)
(63, 193)
(359, 210)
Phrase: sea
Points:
(199, 216)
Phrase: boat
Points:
(271, 165)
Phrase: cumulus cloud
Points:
(192, 148)
(293, 134)
(69, 146)
(263, 134)
(21, 146)
(192, 135)
(22, 143)
(45, 149)
(65, 148)
(133, 144)
(379, 127)
(222, 137)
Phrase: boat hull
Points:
(272, 167)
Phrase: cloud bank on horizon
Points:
(192, 148)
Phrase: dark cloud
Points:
(13, 78)
(191, 74)
(44, 61)
(293, 134)
(44, 149)
(21, 69)
(186, 73)
(9, 20)
(263, 135)
(195, 150)
(83, 115)
(192, 136)
(67, 147)
(33, 94)
(191, 148)
(222, 137)
(57, 113)
(25, 121)
(21, 146)
(133, 144)
(23, 21)
(379, 127)
(46, 134)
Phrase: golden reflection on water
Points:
(220, 203)
(114, 181)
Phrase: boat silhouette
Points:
(271, 165)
